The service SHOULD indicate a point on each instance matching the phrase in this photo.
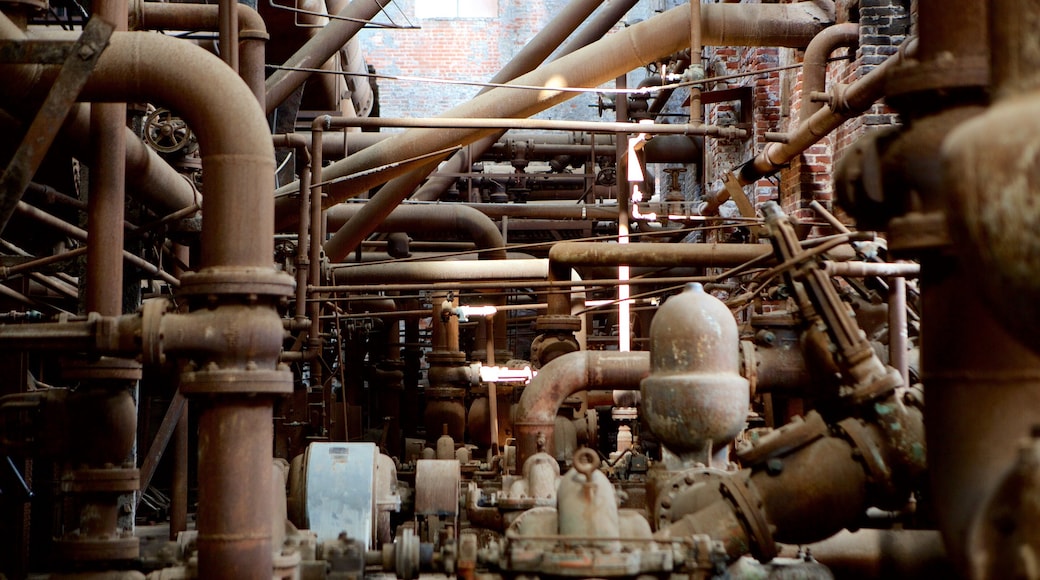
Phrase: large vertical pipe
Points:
(235, 534)
(104, 276)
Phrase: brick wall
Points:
(468, 49)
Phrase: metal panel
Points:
(437, 487)
(339, 490)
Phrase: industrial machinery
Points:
(248, 331)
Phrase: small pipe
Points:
(872, 269)
(443, 271)
(814, 66)
(541, 125)
(696, 112)
(228, 29)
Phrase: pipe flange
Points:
(152, 313)
(879, 474)
(669, 507)
(102, 369)
(558, 322)
(237, 281)
(748, 508)
(237, 382)
(444, 393)
(446, 358)
(97, 549)
(104, 480)
(938, 74)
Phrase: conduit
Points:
(760, 25)
(535, 418)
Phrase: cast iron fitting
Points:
(230, 349)
(695, 398)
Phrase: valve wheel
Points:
(167, 133)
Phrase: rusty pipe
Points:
(814, 66)
(769, 24)
(492, 271)
(228, 32)
(849, 102)
(563, 376)
(432, 218)
(533, 54)
(237, 242)
(319, 49)
(250, 30)
(300, 146)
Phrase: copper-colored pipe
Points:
(238, 158)
(318, 50)
(541, 124)
(228, 29)
(814, 66)
(766, 24)
(563, 376)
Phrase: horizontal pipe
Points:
(428, 218)
(872, 269)
(541, 125)
(656, 255)
(442, 271)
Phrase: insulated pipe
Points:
(535, 418)
(237, 242)
(442, 271)
(497, 211)
(764, 25)
(814, 66)
(319, 49)
(432, 218)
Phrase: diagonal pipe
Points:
(765, 24)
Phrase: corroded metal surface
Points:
(694, 397)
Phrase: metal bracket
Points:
(79, 63)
